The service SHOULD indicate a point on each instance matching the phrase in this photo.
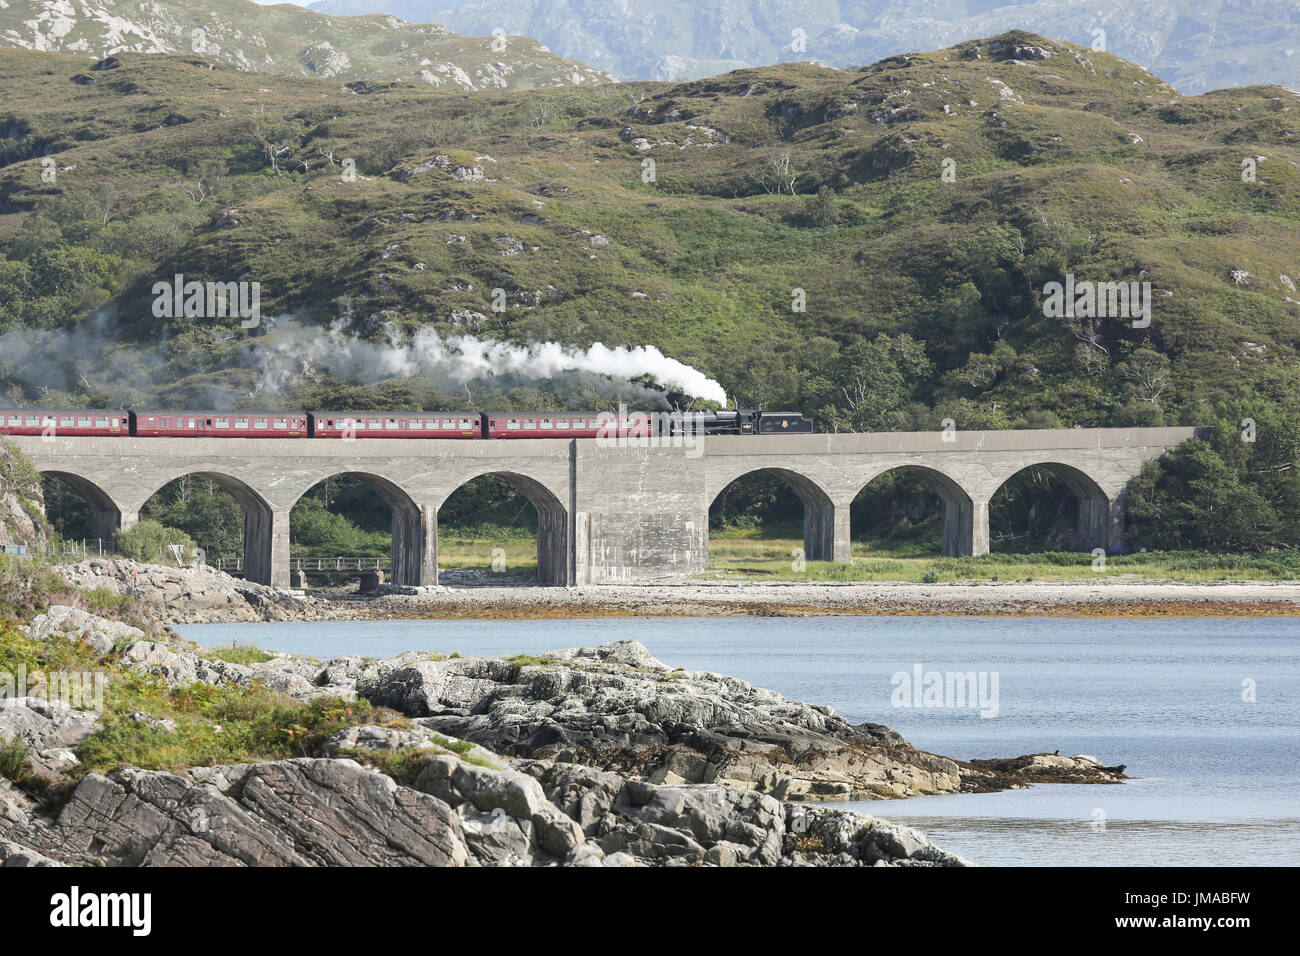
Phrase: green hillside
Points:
(923, 297)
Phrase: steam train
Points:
(350, 425)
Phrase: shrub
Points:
(151, 541)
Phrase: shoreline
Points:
(794, 599)
(180, 596)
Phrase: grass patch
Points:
(530, 660)
(773, 559)
(237, 653)
(208, 725)
(13, 766)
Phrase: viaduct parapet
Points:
(608, 513)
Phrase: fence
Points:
(80, 550)
(236, 565)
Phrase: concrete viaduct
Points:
(607, 513)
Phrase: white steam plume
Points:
(290, 349)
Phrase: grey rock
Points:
(49, 728)
(13, 856)
(286, 813)
(495, 838)
(97, 632)
(514, 792)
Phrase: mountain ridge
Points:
(287, 39)
(1197, 47)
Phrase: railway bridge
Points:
(608, 512)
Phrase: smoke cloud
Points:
(92, 358)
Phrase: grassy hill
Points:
(923, 296)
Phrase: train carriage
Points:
(565, 424)
(159, 424)
(55, 422)
(349, 425)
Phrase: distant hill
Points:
(1195, 45)
(289, 40)
(873, 247)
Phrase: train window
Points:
(15, 419)
(392, 424)
(449, 423)
(416, 423)
(65, 422)
(547, 423)
(241, 422)
(209, 423)
(33, 421)
(259, 423)
(374, 423)
(280, 423)
(561, 423)
(101, 422)
(512, 423)
(223, 422)
(85, 422)
(466, 423)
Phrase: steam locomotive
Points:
(350, 425)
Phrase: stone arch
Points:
(264, 536)
(960, 515)
(410, 524)
(553, 519)
(1099, 523)
(106, 516)
(818, 510)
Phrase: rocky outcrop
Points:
(335, 812)
(599, 756)
(618, 708)
(185, 595)
(74, 624)
(22, 507)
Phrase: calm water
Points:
(1219, 778)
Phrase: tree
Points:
(821, 210)
(877, 379)
(1147, 372)
(1192, 499)
(775, 174)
